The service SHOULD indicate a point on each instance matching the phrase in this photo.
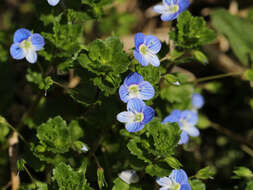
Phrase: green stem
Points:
(30, 175)
(217, 77)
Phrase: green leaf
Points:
(242, 172)
(150, 73)
(21, 164)
(192, 32)
(249, 74)
(101, 178)
(197, 185)
(173, 162)
(200, 56)
(36, 78)
(165, 137)
(67, 178)
(158, 170)
(205, 173)
(249, 185)
(35, 186)
(107, 60)
(120, 185)
(136, 148)
(55, 135)
(238, 31)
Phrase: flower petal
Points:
(159, 9)
(153, 43)
(149, 114)
(31, 56)
(125, 117)
(197, 100)
(138, 40)
(133, 78)
(123, 93)
(185, 187)
(147, 91)
(129, 176)
(191, 130)
(140, 58)
(180, 176)
(183, 5)
(38, 41)
(16, 52)
(135, 105)
(184, 138)
(168, 17)
(21, 34)
(53, 2)
(152, 59)
(173, 117)
(190, 117)
(134, 127)
(164, 181)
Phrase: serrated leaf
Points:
(192, 32)
(165, 137)
(205, 173)
(134, 147)
(67, 178)
(55, 135)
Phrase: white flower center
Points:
(133, 91)
(173, 8)
(26, 46)
(143, 49)
(138, 117)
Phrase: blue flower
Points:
(170, 9)
(136, 116)
(186, 120)
(146, 48)
(26, 44)
(53, 2)
(177, 180)
(134, 86)
(197, 101)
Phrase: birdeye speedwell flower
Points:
(146, 48)
(170, 9)
(134, 86)
(53, 2)
(186, 120)
(197, 101)
(25, 44)
(138, 114)
(177, 180)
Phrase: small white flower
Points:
(129, 176)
